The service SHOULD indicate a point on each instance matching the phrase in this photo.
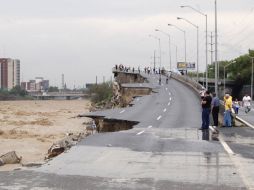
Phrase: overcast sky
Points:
(85, 38)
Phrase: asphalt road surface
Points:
(164, 151)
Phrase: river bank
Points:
(31, 127)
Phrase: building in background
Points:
(37, 85)
(9, 73)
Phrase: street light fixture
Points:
(159, 40)
(168, 35)
(179, 18)
(205, 15)
(251, 87)
(224, 81)
(184, 34)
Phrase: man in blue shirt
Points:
(215, 109)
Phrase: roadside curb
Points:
(245, 122)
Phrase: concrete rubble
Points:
(65, 144)
(10, 158)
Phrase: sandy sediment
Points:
(31, 127)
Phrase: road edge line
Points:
(245, 122)
(237, 163)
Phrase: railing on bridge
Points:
(189, 81)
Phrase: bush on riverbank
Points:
(101, 93)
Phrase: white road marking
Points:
(169, 104)
(158, 118)
(237, 161)
(170, 99)
(140, 133)
(122, 111)
(137, 99)
(149, 126)
(165, 110)
(226, 147)
(166, 89)
(245, 122)
(169, 94)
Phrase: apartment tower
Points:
(10, 73)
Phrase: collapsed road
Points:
(161, 149)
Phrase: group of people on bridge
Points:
(147, 70)
(211, 103)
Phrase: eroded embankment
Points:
(112, 125)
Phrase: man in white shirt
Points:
(246, 103)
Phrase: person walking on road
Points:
(228, 108)
(215, 109)
(246, 103)
(236, 106)
(160, 80)
(206, 109)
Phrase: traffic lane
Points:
(240, 140)
(154, 140)
(29, 180)
(118, 163)
(184, 110)
(249, 117)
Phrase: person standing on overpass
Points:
(246, 103)
(228, 108)
(206, 109)
(215, 109)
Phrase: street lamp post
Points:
(206, 45)
(184, 35)
(252, 78)
(159, 40)
(179, 18)
(169, 40)
(224, 81)
(251, 87)
(216, 50)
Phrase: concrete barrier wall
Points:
(188, 81)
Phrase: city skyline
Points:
(85, 39)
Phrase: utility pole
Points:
(216, 50)
(211, 49)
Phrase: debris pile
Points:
(10, 158)
(65, 144)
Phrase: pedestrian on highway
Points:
(215, 109)
(246, 103)
(167, 79)
(236, 106)
(228, 108)
(206, 109)
(160, 80)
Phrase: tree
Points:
(101, 92)
(53, 89)
(17, 91)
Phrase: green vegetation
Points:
(101, 93)
(240, 69)
(53, 89)
(15, 93)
